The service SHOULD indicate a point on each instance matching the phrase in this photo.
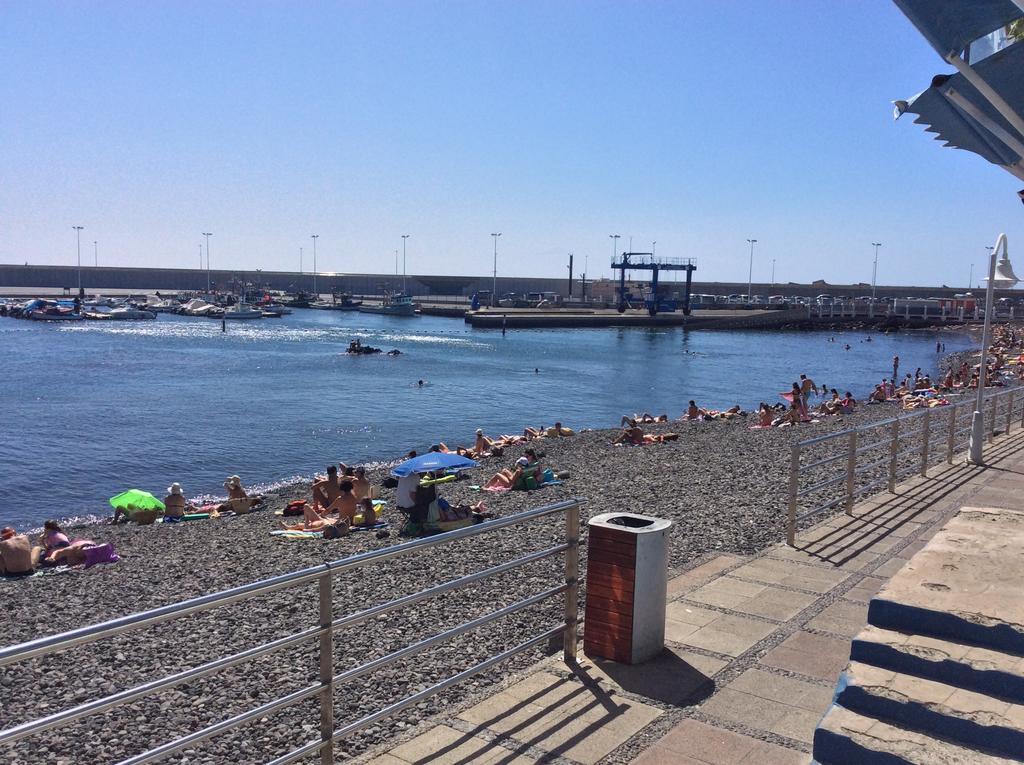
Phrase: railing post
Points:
(1009, 411)
(851, 470)
(326, 670)
(894, 450)
(992, 418)
(952, 433)
(794, 482)
(925, 435)
(572, 585)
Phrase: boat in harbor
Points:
(242, 311)
(392, 305)
(51, 310)
(121, 313)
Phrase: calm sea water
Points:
(91, 409)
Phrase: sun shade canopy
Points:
(952, 25)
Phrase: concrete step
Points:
(982, 670)
(964, 586)
(969, 719)
(847, 738)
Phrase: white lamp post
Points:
(404, 237)
(314, 237)
(207, 235)
(874, 270)
(78, 241)
(494, 284)
(750, 272)
(95, 254)
(998, 274)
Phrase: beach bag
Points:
(294, 507)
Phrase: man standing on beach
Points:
(895, 368)
(806, 386)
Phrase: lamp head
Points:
(1004, 278)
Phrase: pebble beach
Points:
(722, 485)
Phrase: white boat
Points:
(53, 315)
(392, 305)
(275, 309)
(198, 307)
(240, 311)
(123, 313)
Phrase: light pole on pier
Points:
(874, 270)
(78, 241)
(494, 283)
(1003, 276)
(95, 254)
(314, 237)
(300, 265)
(773, 272)
(200, 257)
(615, 245)
(207, 234)
(750, 272)
(404, 237)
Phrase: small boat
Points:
(122, 313)
(240, 311)
(50, 314)
(392, 305)
(275, 309)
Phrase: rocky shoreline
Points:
(722, 484)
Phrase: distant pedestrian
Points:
(938, 347)
(895, 367)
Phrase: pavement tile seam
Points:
(757, 733)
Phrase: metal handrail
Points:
(328, 680)
(932, 437)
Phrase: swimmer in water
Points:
(419, 383)
(536, 371)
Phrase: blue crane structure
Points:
(646, 261)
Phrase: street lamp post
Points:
(773, 272)
(494, 283)
(78, 242)
(300, 265)
(874, 270)
(207, 235)
(95, 254)
(750, 272)
(200, 257)
(1004, 276)
(314, 237)
(404, 237)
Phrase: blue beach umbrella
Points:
(428, 463)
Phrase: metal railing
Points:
(875, 457)
(323, 633)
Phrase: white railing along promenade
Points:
(839, 468)
(323, 634)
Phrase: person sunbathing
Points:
(694, 412)
(557, 431)
(18, 557)
(877, 395)
(345, 505)
(848, 403)
(483, 444)
(646, 418)
(175, 505)
(325, 490)
(53, 537)
(731, 412)
(238, 498)
(368, 511)
(531, 433)
(793, 416)
(77, 554)
(361, 488)
(765, 415)
(509, 477)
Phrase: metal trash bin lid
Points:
(629, 523)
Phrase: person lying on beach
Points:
(903, 390)
(694, 412)
(510, 478)
(793, 416)
(634, 436)
(325, 490)
(78, 552)
(765, 415)
(320, 524)
(17, 555)
(645, 418)
(557, 431)
(732, 412)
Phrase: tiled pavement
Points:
(754, 647)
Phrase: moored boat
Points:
(392, 305)
(240, 311)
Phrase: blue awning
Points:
(952, 25)
(963, 118)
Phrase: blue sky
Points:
(695, 124)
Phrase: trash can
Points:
(627, 581)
